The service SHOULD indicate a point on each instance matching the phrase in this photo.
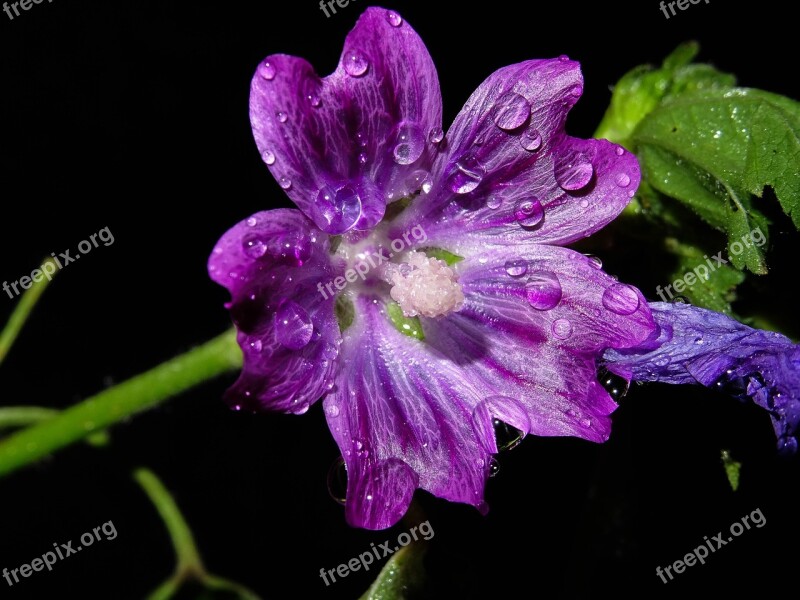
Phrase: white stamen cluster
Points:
(425, 286)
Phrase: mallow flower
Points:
(422, 288)
(693, 345)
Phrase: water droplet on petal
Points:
(257, 345)
(619, 150)
(410, 144)
(584, 203)
(543, 290)
(623, 180)
(337, 211)
(268, 157)
(355, 64)
(362, 158)
(466, 174)
(563, 58)
(282, 116)
(494, 467)
(435, 135)
(252, 221)
(575, 174)
(561, 328)
(679, 300)
(595, 261)
(576, 90)
(293, 326)
(516, 268)
(531, 140)
(787, 445)
(420, 180)
(285, 183)
(511, 111)
(615, 385)
(337, 481)
(529, 212)
(494, 202)
(621, 299)
(267, 71)
(314, 100)
(254, 247)
(394, 19)
(332, 410)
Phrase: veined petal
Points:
(344, 146)
(511, 175)
(272, 264)
(531, 328)
(401, 415)
(695, 345)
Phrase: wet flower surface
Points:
(479, 318)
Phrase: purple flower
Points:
(695, 345)
(421, 288)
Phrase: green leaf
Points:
(441, 254)
(732, 469)
(345, 312)
(409, 326)
(401, 575)
(701, 279)
(714, 151)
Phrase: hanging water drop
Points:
(337, 481)
(615, 385)
(494, 467)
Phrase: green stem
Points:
(21, 416)
(189, 561)
(219, 355)
(22, 312)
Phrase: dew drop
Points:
(252, 221)
(410, 144)
(787, 445)
(679, 300)
(575, 174)
(332, 410)
(623, 180)
(561, 328)
(282, 116)
(355, 64)
(595, 261)
(337, 481)
(285, 183)
(531, 140)
(529, 212)
(362, 158)
(256, 345)
(619, 150)
(293, 326)
(563, 58)
(621, 299)
(543, 290)
(507, 418)
(516, 268)
(435, 135)
(267, 71)
(584, 203)
(254, 247)
(466, 174)
(511, 111)
(494, 467)
(494, 202)
(268, 157)
(394, 19)
(337, 211)
(615, 385)
(420, 180)
(314, 100)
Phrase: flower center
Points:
(424, 286)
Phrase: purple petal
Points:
(695, 345)
(504, 185)
(341, 146)
(531, 328)
(401, 415)
(271, 264)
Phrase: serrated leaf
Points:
(701, 278)
(401, 575)
(714, 151)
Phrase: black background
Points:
(133, 116)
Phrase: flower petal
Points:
(696, 345)
(344, 145)
(272, 264)
(401, 416)
(531, 328)
(498, 185)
